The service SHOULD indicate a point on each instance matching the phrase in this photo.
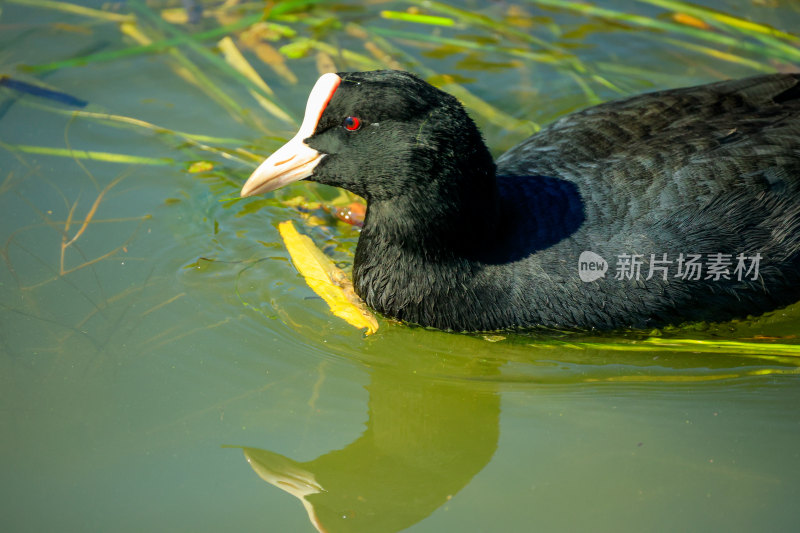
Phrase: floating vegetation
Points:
(328, 281)
(282, 34)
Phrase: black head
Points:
(382, 135)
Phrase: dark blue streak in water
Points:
(41, 92)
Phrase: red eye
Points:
(352, 123)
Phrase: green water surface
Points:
(163, 367)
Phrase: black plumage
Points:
(454, 241)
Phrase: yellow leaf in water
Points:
(201, 166)
(689, 20)
(175, 15)
(325, 279)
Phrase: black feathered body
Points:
(713, 169)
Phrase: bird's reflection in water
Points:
(425, 439)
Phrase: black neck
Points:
(423, 262)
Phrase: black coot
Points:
(666, 207)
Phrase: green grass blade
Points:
(717, 54)
(209, 87)
(636, 73)
(770, 37)
(157, 46)
(190, 72)
(416, 18)
(787, 353)
(710, 15)
(200, 142)
(288, 6)
(567, 62)
(87, 154)
(67, 7)
(210, 57)
(590, 95)
(470, 18)
(301, 46)
(786, 53)
(737, 347)
(539, 57)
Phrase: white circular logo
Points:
(591, 266)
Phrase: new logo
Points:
(591, 266)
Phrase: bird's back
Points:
(701, 170)
(658, 150)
